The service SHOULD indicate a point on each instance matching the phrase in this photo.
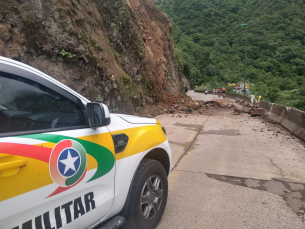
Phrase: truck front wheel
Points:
(147, 197)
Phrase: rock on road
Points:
(241, 172)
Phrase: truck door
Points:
(55, 171)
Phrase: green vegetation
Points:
(276, 44)
(67, 54)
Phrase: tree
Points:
(276, 44)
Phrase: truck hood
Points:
(136, 119)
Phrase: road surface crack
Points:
(187, 171)
(276, 166)
(292, 192)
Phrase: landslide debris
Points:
(119, 52)
(245, 107)
(174, 104)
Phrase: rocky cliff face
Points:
(119, 52)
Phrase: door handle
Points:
(13, 164)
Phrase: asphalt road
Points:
(240, 172)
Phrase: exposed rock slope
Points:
(119, 52)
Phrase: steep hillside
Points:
(119, 52)
(210, 43)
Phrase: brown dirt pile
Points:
(175, 104)
(245, 107)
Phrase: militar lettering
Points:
(80, 207)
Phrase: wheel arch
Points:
(160, 155)
(123, 187)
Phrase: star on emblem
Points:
(69, 162)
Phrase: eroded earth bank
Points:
(119, 52)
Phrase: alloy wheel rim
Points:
(151, 197)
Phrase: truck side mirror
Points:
(98, 115)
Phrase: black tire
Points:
(133, 210)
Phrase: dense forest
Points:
(210, 44)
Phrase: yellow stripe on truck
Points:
(141, 139)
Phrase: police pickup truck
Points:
(66, 162)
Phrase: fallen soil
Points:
(175, 104)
